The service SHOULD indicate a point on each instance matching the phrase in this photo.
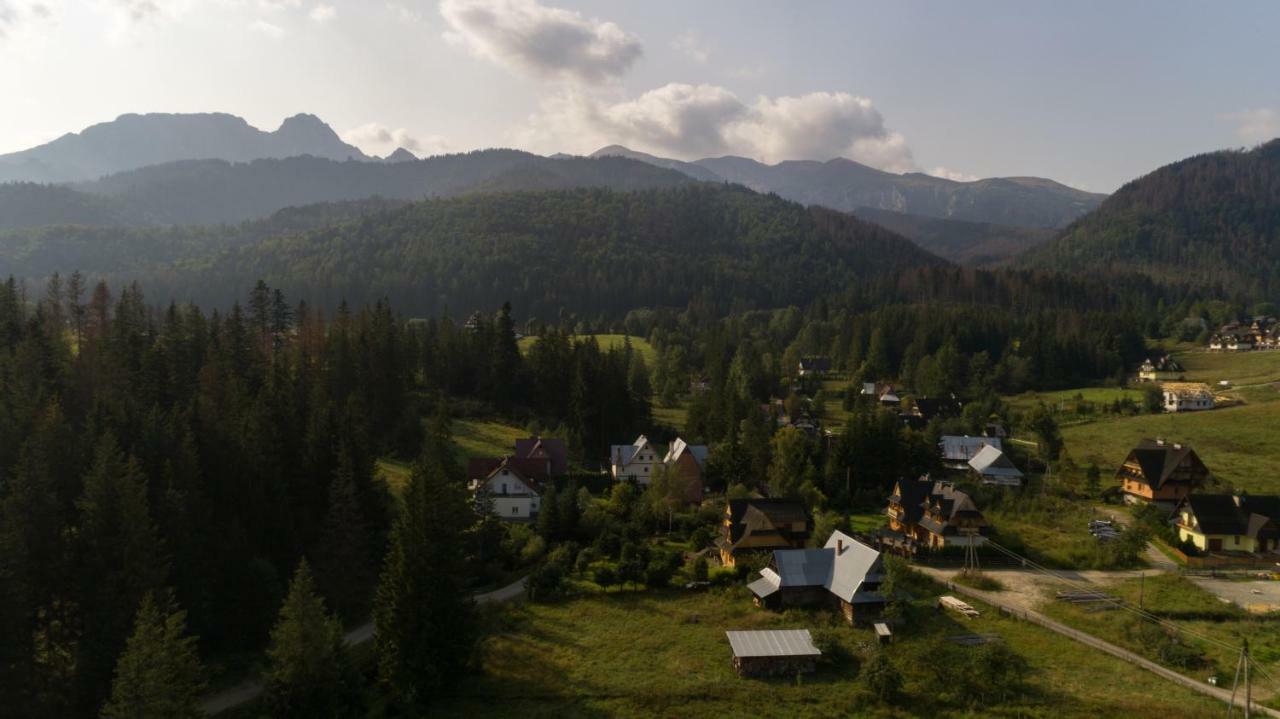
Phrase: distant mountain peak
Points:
(401, 155)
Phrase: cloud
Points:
(691, 121)
(322, 13)
(1254, 126)
(688, 43)
(534, 39)
(16, 14)
(271, 30)
(949, 174)
(374, 138)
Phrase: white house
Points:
(1187, 396)
(638, 460)
(513, 496)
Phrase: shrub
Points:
(881, 677)
(605, 577)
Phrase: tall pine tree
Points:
(159, 675)
(424, 615)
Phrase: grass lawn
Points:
(675, 416)
(608, 342)
(867, 521)
(1174, 598)
(395, 473)
(643, 654)
(1241, 368)
(1067, 402)
(483, 438)
(1237, 443)
(1052, 531)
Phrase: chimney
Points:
(840, 542)
(1160, 441)
(1177, 445)
(1236, 498)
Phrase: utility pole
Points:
(1242, 666)
(1142, 587)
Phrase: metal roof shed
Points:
(774, 652)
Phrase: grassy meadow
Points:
(664, 654)
(608, 342)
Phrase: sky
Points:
(1091, 94)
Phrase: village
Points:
(992, 536)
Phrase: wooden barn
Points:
(773, 653)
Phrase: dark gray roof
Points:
(773, 643)
(803, 567)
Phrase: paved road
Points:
(1219, 693)
(250, 690)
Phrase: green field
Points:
(1175, 599)
(646, 654)
(608, 342)
(1240, 368)
(675, 416)
(1065, 400)
(471, 438)
(1237, 443)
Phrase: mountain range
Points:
(132, 141)
(848, 186)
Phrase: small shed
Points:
(774, 652)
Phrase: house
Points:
(1187, 396)
(479, 468)
(512, 495)
(933, 515)
(762, 525)
(773, 652)
(844, 573)
(1160, 369)
(1230, 522)
(922, 410)
(1160, 473)
(554, 451)
(687, 461)
(814, 366)
(993, 466)
(636, 461)
(957, 451)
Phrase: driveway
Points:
(1255, 595)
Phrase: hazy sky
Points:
(1091, 95)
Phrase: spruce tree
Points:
(119, 561)
(425, 623)
(159, 675)
(309, 674)
(345, 569)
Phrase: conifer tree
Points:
(159, 675)
(424, 616)
(345, 556)
(119, 562)
(310, 674)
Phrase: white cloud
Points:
(689, 43)
(949, 174)
(323, 13)
(691, 121)
(530, 38)
(1254, 126)
(376, 139)
(269, 29)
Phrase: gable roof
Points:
(815, 364)
(529, 467)
(763, 514)
(855, 565)
(1245, 515)
(1158, 460)
(962, 449)
(772, 643)
(507, 466)
(546, 447)
(680, 447)
(1188, 390)
(624, 454)
(991, 462)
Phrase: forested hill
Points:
(1210, 221)
(210, 191)
(592, 252)
(976, 244)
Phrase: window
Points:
(513, 509)
(504, 487)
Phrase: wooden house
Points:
(814, 366)
(956, 451)
(844, 573)
(929, 514)
(762, 525)
(1230, 522)
(1160, 473)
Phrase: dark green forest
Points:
(1211, 221)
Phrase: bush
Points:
(533, 549)
(700, 569)
(828, 640)
(881, 677)
(605, 577)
